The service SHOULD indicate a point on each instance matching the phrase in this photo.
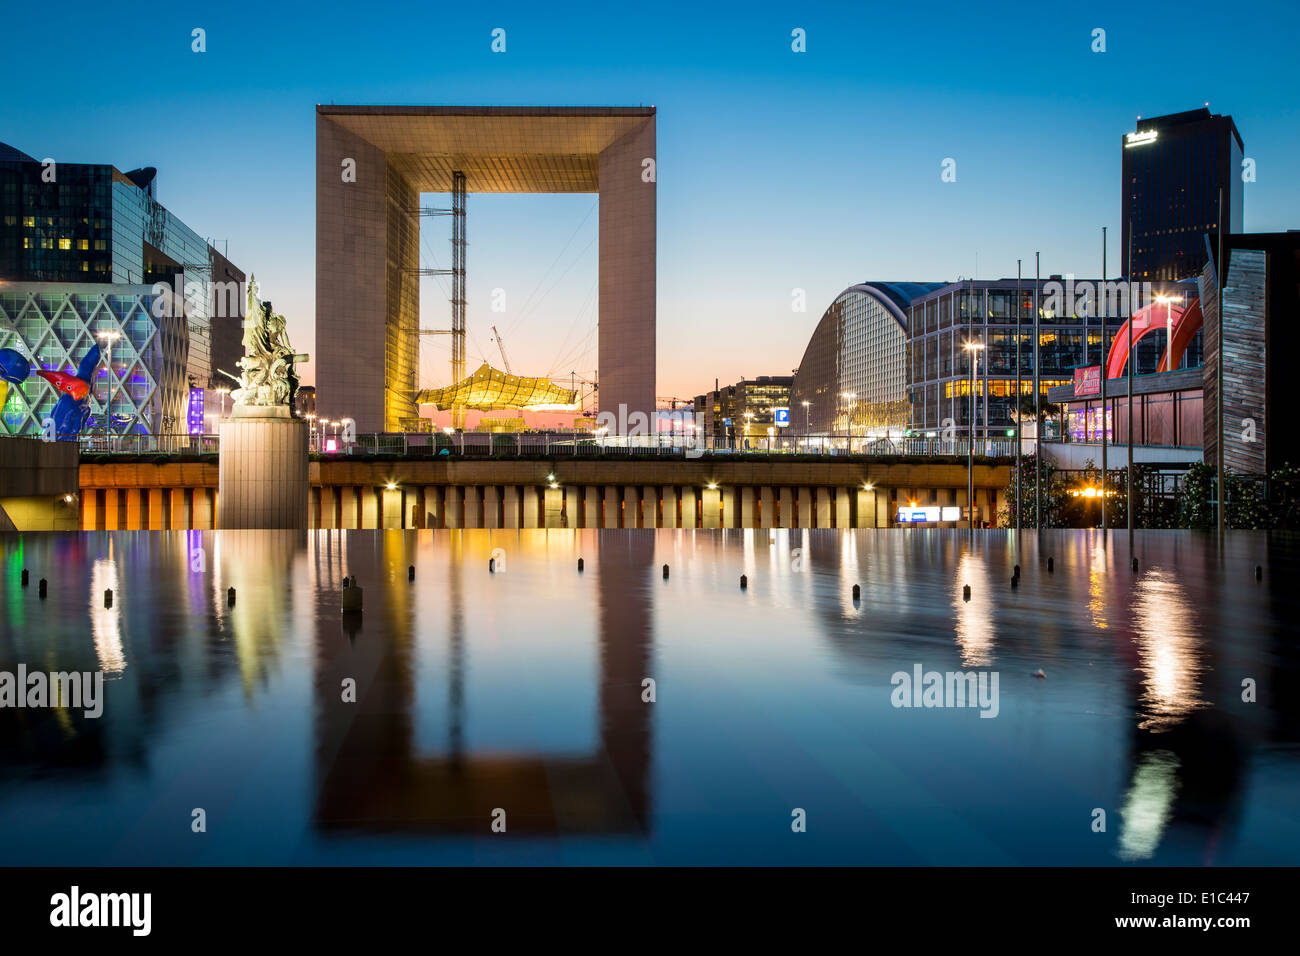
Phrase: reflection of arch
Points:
(371, 775)
(1148, 319)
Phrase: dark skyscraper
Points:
(1173, 167)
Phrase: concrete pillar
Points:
(157, 509)
(204, 510)
(631, 507)
(842, 513)
(389, 508)
(328, 507)
(689, 497)
(510, 506)
(804, 507)
(491, 507)
(766, 507)
(668, 497)
(528, 498)
(369, 507)
(866, 512)
(613, 508)
(473, 503)
(89, 508)
(112, 520)
(823, 507)
(553, 508)
(883, 518)
(180, 513)
(133, 509)
(263, 478)
(787, 508)
(710, 504)
(746, 507)
(650, 507)
(453, 506)
(731, 510)
(590, 506)
(347, 507)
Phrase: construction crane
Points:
(501, 347)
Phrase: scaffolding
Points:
(457, 273)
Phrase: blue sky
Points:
(776, 170)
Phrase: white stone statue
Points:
(267, 376)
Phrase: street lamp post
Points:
(974, 349)
(1018, 407)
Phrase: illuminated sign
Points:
(1140, 138)
(1087, 381)
(782, 418)
(919, 514)
(196, 411)
(951, 514)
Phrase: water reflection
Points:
(522, 690)
(975, 630)
(1148, 804)
(105, 622)
(1168, 650)
(371, 773)
(1098, 570)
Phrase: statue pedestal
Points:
(263, 469)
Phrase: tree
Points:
(1246, 507)
(1284, 498)
(1053, 502)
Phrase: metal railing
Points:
(148, 444)
(568, 444)
(586, 445)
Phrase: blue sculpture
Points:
(14, 367)
(73, 407)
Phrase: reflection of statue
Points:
(267, 376)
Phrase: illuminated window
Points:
(83, 244)
(29, 221)
(65, 243)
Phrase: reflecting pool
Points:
(1161, 703)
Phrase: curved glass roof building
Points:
(853, 375)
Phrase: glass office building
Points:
(943, 321)
(727, 412)
(1173, 169)
(82, 247)
(852, 379)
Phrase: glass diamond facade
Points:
(83, 248)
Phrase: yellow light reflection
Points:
(1168, 645)
(975, 633)
(105, 622)
(1096, 588)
